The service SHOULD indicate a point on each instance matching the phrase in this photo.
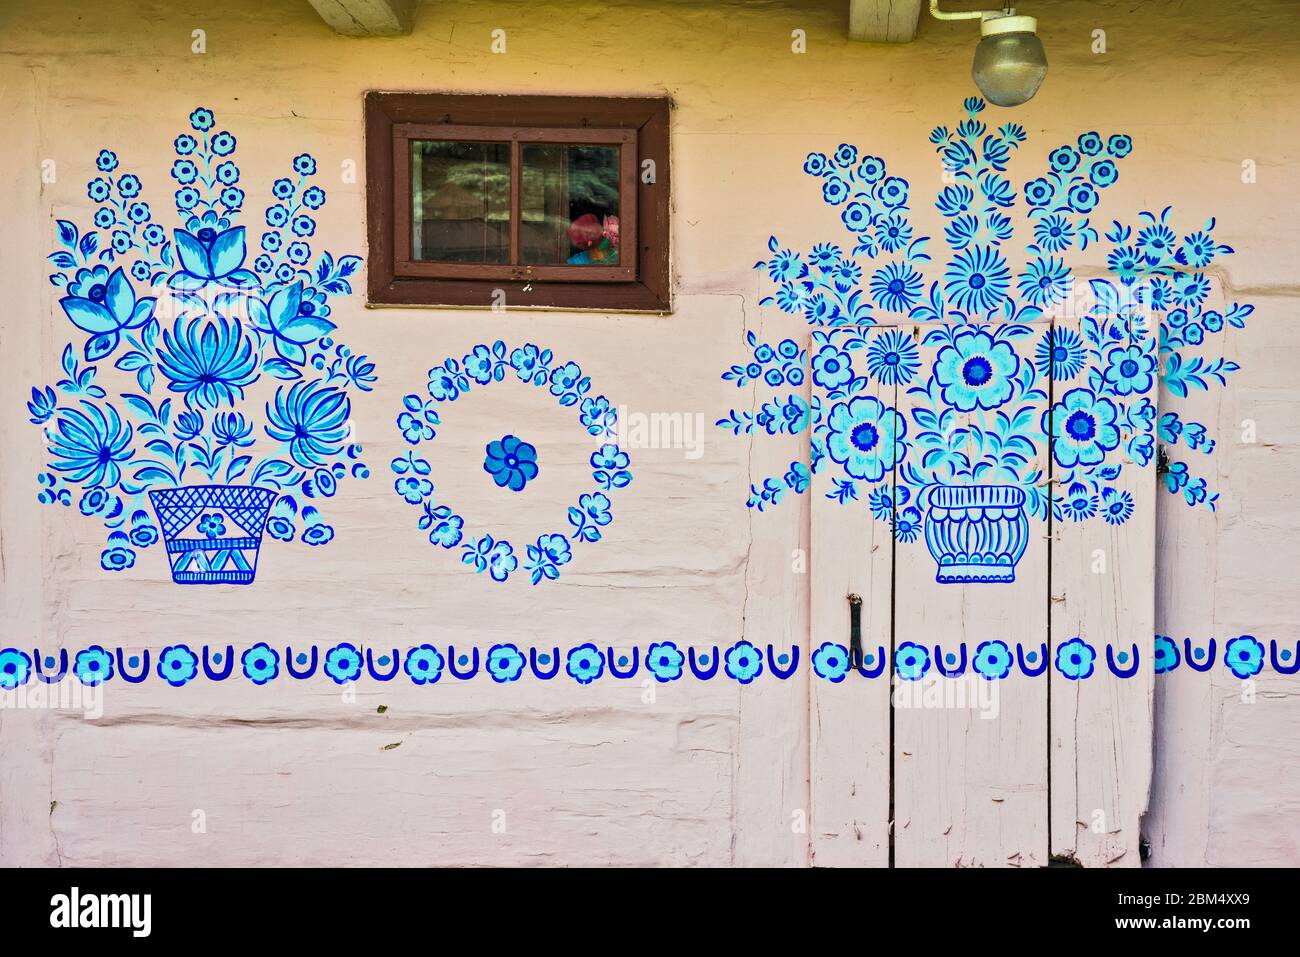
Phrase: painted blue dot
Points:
(704, 661)
(134, 661)
(302, 658)
(463, 660)
(622, 661)
(216, 659)
(544, 658)
(384, 660)
(1031, 657)
(1286, 654)
(1198, 653)
(783, 659)
(950, 658)
(1122, 657)
(49, 661)
(870, 659)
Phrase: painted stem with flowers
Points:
(188, 324)
(960, 463)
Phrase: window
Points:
(548, 200)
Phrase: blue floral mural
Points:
(1012, 361)
(511, 461)
(185, 324)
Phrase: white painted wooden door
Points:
(955, 769)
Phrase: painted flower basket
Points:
(213, 532)
(998, 389)
(213, 387)
(976, 533)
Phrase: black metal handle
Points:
(855, 629)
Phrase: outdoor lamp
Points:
(1009, 62)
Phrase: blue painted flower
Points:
(201, 119)
(831, 661)
(209, 362)
(293, 319)
(893, 233)
(15, 668)
(954, 200)
(866, 437)
(1054, 233)
(312, 418)
(505, 663)
(585, 664)
(304, 164)
(281, 527)
(1063, 160)
(1103, 174)
(1244, 656)
(343, 663)
(893, 357)
(816, 164)
(177, 665)
(568, 383)
(261, 663)
(413, 488)
(93, 665)
(832, 367)
(892, 191)
(1075, 659)
(911, 661)
(210, 254)
(1082, 198)
(977, 279)
(871, 169)
(117, 558)
(1167, 657)
(423, 665)
(1119, 145)
(129, 186)
(1045, 282)
(896, 287)
(835, 190)
(107, 309)
(1116, 506)
(317, 534)
(1090, 144)
(664, 660)
(546, 557)
(1083, 427)
(89, 446)
(992, 660)
(446, 529)
(1130, 371)
(1060, 354)
(185, 144)
(1039, 192)
(211, 524)
(976, 371)
(743, 662)
(856, 216)
(511, 462)
(1080, 503)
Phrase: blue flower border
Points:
(531, 365)
(178, 665)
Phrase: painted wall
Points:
(706, 773)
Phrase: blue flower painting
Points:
(937, 395)
(238, 310)
(511, 462)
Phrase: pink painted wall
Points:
(696, 773)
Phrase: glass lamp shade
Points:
(1010, 62)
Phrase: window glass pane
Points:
(460, 201)
(570, 205)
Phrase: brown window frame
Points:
(637, 125)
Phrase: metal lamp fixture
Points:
(1010, 62)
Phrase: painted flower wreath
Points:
(511, 461)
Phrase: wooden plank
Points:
(884, 21)
(852, 555)
(971, 779)
(1103, 594)
(367, 18)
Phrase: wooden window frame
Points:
(637, 125)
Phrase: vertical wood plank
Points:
(1103, 593)
(971, 790)
(852, 554)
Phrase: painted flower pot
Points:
(213, 532)
(976, 533)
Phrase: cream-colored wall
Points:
(705, 773)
